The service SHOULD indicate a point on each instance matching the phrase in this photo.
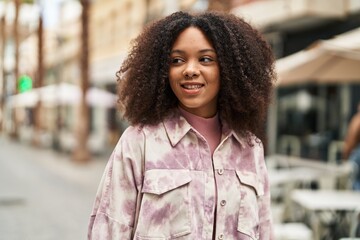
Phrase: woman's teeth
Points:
(192, 86)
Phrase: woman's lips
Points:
(191, 88)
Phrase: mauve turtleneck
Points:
(209, 128)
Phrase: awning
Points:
(282, 12)
(329, 61)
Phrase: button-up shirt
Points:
(162, 182)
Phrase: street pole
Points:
(81, 151)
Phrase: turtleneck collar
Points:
(209, 128)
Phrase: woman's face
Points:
(194, 73)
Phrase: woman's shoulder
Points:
(135, 131)
(152, 130)
(132, 131)
(247, 139)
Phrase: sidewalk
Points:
(43, 194)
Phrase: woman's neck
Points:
(209, 128)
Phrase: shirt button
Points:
(220, 171)
(223, 203)
(221, 236)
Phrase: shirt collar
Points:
(227, 132)
(177, 127)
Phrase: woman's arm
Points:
(114, 213)
(352, 136)
(265, 217)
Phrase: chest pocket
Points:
(165, 207)
(251, 189)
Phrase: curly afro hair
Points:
(246, 71)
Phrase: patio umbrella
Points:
(329, 61)
(101, 98)
(62, 94)
(26, 99)
(69, 94)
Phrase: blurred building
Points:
(308, 119)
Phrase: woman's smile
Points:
(192, 88)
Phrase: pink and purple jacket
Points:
(162, 182)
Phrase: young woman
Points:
(195, 89)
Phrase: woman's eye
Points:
(176, 60)
(206, 59)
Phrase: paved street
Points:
(43, 195)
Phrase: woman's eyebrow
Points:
(207, 50)
(201, 51)
(177, 51)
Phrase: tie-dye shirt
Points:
(162, 182)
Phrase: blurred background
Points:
(59, 121)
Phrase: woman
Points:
(195, 89)
(351, 150)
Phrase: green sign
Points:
(25, 83)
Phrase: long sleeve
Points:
(265, 218)
(117, 199)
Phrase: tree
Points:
(81, 152)
(39, 81)
(17, 3)
(2, 55)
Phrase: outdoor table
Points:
(339, 202)
(292, 175)
(283, 169)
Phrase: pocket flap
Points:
(159, 181)
(251, 179)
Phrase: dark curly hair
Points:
(246, 71)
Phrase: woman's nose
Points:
(191, 71)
